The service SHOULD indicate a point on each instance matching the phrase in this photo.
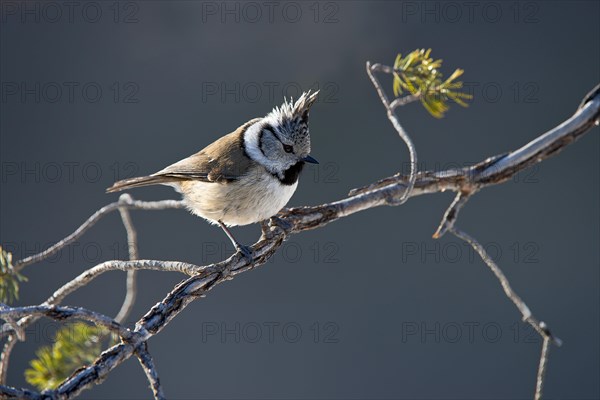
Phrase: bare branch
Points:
(542, 368)
(402, 101)
(451, 214)
(91, 221)
(92, 273)
(502, 167)
(132, 246)
(5, 357)
(156, 319)
(130, 295)
(390, 109)
(147, 364)
(61, 313)
(8, 392)
(510, 293)
(539, 326)
(390, 191)
(548, 144)
(16, 333)
(10, 325)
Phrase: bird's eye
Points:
(288, 148)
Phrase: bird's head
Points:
(282, 139)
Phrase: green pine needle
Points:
(9, 278)
(419, 74)
(75, 345)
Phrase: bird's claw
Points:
(245, 251)
(280, 222)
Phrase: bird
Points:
(246, 176)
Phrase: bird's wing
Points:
(222, 160)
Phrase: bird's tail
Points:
(137, 182)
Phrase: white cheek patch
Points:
(252, 145)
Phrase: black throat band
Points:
(290, 176)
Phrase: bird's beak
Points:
(309, 159)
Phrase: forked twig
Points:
(91, 221)
(391, 114)
(526, 314)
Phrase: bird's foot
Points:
(245, 251)
(280, 222)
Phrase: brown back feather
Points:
(222, 160)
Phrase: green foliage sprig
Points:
(420, 75)
(75, 345)
(9, 278)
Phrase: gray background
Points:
(384, 310)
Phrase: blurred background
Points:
(369, 306)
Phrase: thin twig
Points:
(61, 313)
(539, 386)
(149, 368)
(539, 326)
(10, 325)
(451, 214)
(86, 277)
(132, 248)
(402, 101)
(16, 333)
(510, 293)
(152, 323)
(91, 221)
(391, 114)
(5, 357)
